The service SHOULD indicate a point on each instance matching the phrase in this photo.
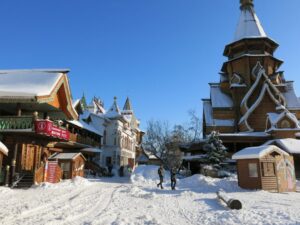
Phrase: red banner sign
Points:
(46, 127)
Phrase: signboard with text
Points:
(46, 127)
(51, 171)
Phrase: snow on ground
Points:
(124, 201)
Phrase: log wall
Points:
(243, 174)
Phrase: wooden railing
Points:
(16, 122)
(39, 175)
(83, 140)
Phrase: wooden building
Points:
(72, 164)
(193, 156)
(35, 106)
(292, 147)
(253, 102)
(265, 167)
(147, 158)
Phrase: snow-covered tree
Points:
(216, 151)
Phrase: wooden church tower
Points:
(253, 102)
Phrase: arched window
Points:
(285, 124)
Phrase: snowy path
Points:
(119, 202)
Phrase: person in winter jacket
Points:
(161, 173)
(173, 178)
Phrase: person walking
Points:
(173, 178)
(110, 167)
(161, 173)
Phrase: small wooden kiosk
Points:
(72, 164)
(265, 167)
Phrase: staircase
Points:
(25, 180)
(100, 171)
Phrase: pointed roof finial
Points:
(127, 105)
(114, 110)
(249, 25)
(246, 4)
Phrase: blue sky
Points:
(160, 53)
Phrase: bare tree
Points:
(195, 126)
(163, 142)
(157, 135)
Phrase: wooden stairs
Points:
(25, 180)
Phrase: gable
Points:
(60, 98)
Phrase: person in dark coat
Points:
(161, 173)
(173, 178)
(121, 171)
(110, 166)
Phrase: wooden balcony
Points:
(84, 140)
(16, 122)
(43, 127)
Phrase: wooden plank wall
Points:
(268, 183)
(243, 174)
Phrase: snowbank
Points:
(114, 200)
(147, 174)
(75, 182)
(208, 184)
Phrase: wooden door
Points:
(268, 176)
(31, 157)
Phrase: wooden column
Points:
(7, 176)
(19, 110)
(13, 162)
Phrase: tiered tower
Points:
(253, 102)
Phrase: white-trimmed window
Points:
(252, 167)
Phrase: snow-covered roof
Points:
(97, 121)
(218, 98)
(194, 157)
(114, 110)
(208, 114)
(274, 118)
(3, 148)
(257, 152)
(223, 77)
(149, 155)
(80, 123)
(249, 25)
(66, 155)
(289, 145)
(237, 85)
(28, 83)
(245, 134)
(75, 103)
(93, 150)
(292, 101)
(85, 114)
